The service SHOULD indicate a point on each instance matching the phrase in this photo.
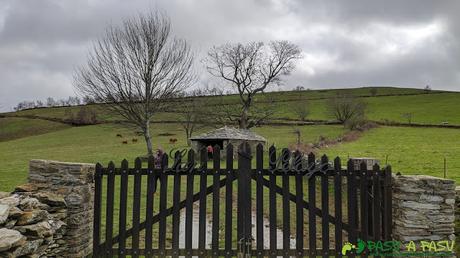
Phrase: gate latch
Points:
(245, 247)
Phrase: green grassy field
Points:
(99, 144)
(408, 150)
(426, 108)
(14, 128)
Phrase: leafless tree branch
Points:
(135, 68)
(251, 68)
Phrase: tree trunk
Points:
(148, 139)
(243, 122)
(188, 135)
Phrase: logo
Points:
(347, 247)
(396, 248)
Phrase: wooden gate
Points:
(294, 206)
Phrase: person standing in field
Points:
(210, 151)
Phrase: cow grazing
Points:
(124, 142)
(172, 140)
(134, 140)
(119, 135)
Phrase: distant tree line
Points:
(51, 102)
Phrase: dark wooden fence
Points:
(318, 203)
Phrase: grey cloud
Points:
(346, 43)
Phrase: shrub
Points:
(354, 123)
(304, 148)
(373, 92)
(347, 109)
(84, 116)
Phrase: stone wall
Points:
(51, 215)
(423, 208)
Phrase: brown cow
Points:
(134, 140)
(172, 140)
(119, 135)
(124, 142)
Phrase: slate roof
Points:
(229, 133)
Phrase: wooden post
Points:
(244, 200)
(97, 209)
(445, 167)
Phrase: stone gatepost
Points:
(423, 208)
(74, 183)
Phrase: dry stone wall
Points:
(423, 208)
(51, 215)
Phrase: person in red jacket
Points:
(210, 150)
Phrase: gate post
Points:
(244, 226)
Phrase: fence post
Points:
(244, 201)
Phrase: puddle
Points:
(195, 225)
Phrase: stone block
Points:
(10, 238)
(32, 217)
(4, 213)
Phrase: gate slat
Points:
(325, 205)
(286, 203)
(244, 195)
(123, 203)
(215, 200)
(338, 205)
(162, 212)
(272, 200)
(136, 206)
(109, 209)
(176, 200)
(202, 214)
(312, 207)
(387, 204)
(97, 210)
(364, 202)
(377, 204)
(189, 206)
(229, 201)
(259, 199)
(149, 207)
(352, 204)
(299, 202)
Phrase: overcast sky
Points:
(408, 43)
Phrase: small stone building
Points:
(370, 162)
(225, 135)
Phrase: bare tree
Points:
(227, 112)
(373, 92)
(251, 68)
(135, 68)
(346, 108)
(299, 88)
(301, 108)
(50, 102)
(408, 117)
(193, 113)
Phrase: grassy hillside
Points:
(389, 104)
(14, 128)
(425, 108)
(100, 144)
(408, 150)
